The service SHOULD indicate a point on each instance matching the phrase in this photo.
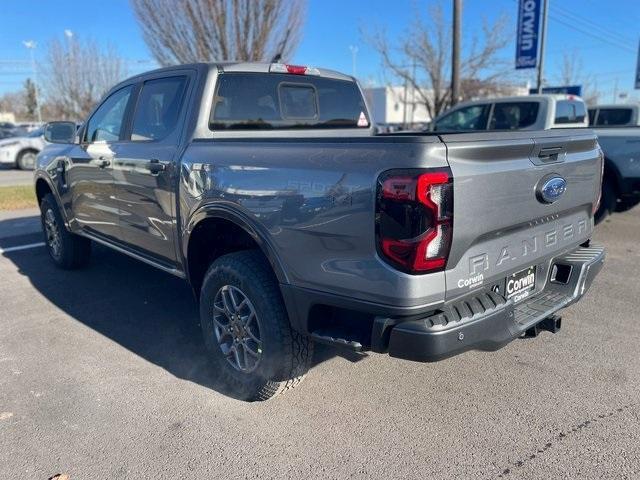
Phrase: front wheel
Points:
(247, 331)
(67, 250)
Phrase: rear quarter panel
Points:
(314, 202)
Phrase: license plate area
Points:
(519, 285)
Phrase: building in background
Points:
(396, 106)
(7, 117)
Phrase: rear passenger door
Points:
(146, 166)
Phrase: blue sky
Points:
(605, 38)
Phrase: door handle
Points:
(549, 154)
(103, 162)
(156, 166)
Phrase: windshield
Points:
(36, 133)
(473, 117)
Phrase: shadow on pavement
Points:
(149, 312)
(19, 230)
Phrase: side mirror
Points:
(60, 132)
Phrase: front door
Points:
(89, 172)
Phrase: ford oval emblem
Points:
(551, 188)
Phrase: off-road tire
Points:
(286, 354)
(74, 251)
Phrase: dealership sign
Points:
(528, 33)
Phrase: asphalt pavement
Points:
(12, 176)
(103, 375)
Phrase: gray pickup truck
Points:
(618, 131)
(265, 187)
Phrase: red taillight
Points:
(415, 219)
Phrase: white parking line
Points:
(21, 247)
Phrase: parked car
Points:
(618, 130)
(21, 151)
(6, 134)
(531, 112)
(29, 127)
(265, 187)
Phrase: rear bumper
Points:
(485, 321)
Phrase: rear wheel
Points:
(247, 331)
(27, 159)
(607, 201)
(67, 250)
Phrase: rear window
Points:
(568, 111)
(614, 116)
(513, 115)
(257, 101)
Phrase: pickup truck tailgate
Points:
(501, 223)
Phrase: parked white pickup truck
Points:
(531, 112)
(617, 127)
(618, 130)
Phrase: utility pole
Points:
(413, 90)
(354, 54)
(31, 45)
(543, 37)
(455, 53)
(404, 103)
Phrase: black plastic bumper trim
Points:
(426, 340)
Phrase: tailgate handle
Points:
(549, 154)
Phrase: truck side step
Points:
(328, 339)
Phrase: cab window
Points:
(513, 115)
(568, 111)
(614, 116)
(473, 117)
(107, 122)
(158, 108)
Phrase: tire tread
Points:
(296, 348)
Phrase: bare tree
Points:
(422, 59)
(77, 75)
(13, 102)
(571, 73)
(30, 99)
(186, 31)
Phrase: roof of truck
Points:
(615, 105)
(249, 67)
(525, 98)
